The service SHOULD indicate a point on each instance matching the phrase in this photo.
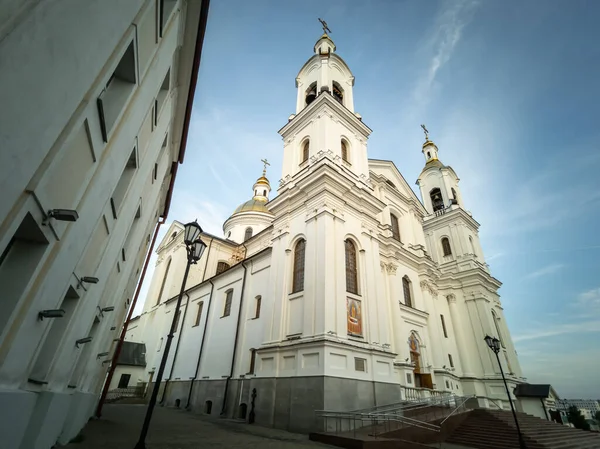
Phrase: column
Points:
(457, 330)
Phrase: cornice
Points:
(320, 104)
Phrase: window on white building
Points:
(298, 274)
(199, 313)
(446, 247)
(228, 300)
(351, 268)
(166, 9)
(406, 288)
(51, 342)
(248, 233)
(119, 87)
(163, 94)
(18, 262)
(118, 196)
(360, 364)
(395, 227)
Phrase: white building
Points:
(590, 404)
(344, 291)
(96, 97)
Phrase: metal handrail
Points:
(456, 408)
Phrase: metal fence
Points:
(130, 392)
(429, 414)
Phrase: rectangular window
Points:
(258, 301)
(228, 299)
(252, 360)
(166, 9)
(199, 313)
(119, 87)
(408, 378)
(18, 263)
(450, 360)
(178, 313)
(360, 364)
(132, 231)
(163, 93)
(118, 196)
(58, 327)
(124, 381)
(444, 326)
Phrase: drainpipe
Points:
(113, 363)
(237, 331)
(189, 398)
(162, 398)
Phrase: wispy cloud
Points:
(560, 329)
(449, 25)
(588, 302)
(550, 269)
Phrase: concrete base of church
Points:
(287, 403)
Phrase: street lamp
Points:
(494, 345)
(195, 247)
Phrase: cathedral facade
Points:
(342, 292)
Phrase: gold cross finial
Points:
(426, 132)
(325, 27)
(265, 162)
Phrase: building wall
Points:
(112, 166)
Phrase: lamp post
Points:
(195, 247)
(494, 345)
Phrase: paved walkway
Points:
(176, 429)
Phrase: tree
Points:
(576, 418)
(597, 416)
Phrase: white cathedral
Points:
(344, 291)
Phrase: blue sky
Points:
(510, 93)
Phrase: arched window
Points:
(407, 291)
(338, 93)
(265, 192)
(395, 227)
(298, 274)
(344, 151)
(472, 245)
(497, 325)
(446, 246)
(311, 93)
(248, 233)
(351, 268)
(453, 193)
(228, 300)
(258, 303)
(305, 151)
(436, 199)
(221, 267)
(428, 155)
(162, 285)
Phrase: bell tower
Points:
(325, 123)
(450, 230)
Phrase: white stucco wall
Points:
(56, 59)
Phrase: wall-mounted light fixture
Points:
(51, 313)
(63, 214)
(113, 328)
(82, 341)
(108, 309)
(89, 280)
(102, 354)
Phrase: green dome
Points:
(253, 206)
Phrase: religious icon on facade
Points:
(354, 317)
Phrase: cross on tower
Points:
(426, 132)
(324, 25)
(265, 162)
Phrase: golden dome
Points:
(263, 180)
(253, 206)
(429, 142)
